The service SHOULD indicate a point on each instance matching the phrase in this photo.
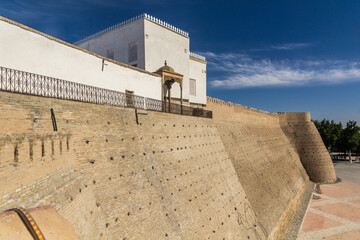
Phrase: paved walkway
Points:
(334, 211)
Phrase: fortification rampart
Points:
(168, 177)
(164, 176)
(263, 157)
(306, 139)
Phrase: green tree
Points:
(329, 132)
(350, 138)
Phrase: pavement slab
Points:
(352, 235)
(341, 210)
(335, 192)
(315, 221)
(334, 211)
(356, 201)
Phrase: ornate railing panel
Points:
(33, 84)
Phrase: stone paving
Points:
(333, 213)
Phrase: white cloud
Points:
(284, 46)
(241, 70)
(290, 46)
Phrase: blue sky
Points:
(272, 55)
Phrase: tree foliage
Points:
(329, 131)
(338, 138)
(349, 139)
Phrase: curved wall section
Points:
(307, 140)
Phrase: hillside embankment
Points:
(165, 176)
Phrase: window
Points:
(132, 52)
(110, 53)
(193, 87)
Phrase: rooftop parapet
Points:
(131, 20)
(195, 55)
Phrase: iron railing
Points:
(38, 85)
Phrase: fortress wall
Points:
(267, 164)
(168, 177)
(307, 140)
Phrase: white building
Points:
(147, 42)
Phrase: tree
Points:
(350, 138)
(329, 132)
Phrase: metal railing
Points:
(38, 85)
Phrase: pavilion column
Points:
(181, 97)
(163, 98)
(169, 98)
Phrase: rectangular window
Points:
(193, 87)
(132, 52)
(110, 53)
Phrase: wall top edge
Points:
(294, 113)
(75, 47)
(230, 104)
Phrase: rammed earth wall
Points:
(168, 177)
(270, 161)
(237, 176)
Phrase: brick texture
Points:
(167, 177)
(312, 151)
(267, 164)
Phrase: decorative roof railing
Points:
(16, 81)
(141, 16)
(197, 56)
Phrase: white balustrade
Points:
(141, 16)
(197, 56)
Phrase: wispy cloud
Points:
(284, 46)
(290, 46)
(241, 70)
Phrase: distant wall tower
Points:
(306, 139)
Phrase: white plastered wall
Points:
(119, 40)
(163, 44)
(197, 71)
(24, 50)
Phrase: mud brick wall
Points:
(163, 177)
(307, 140)
(265, 160)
